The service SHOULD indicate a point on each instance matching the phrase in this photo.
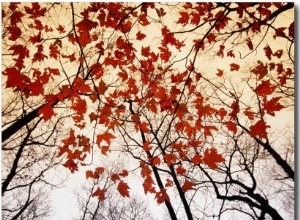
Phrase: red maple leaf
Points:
(187, 185)
(16, 17)
(104, 150)
(100, 193)
(265, 88)
(268, 52)
(249, 44)
(148, 185)
(197, 159)
(47, 111)
(35, 10)
(15, 32)
(140, 35)
(123, 189)
(231, 126)
(261, 70)
(79, 106)
(162, 196)
(259, 129)
(234, 66)
(211, 158)
(105, 137)
(249, 113)
(272, 105)
(184, 19)
(180, 170)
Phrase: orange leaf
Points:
(170, 159)
(106, 137)
(168, 183)
(47, 111)
(272, 105)
(265, 88)
(197, 159)
(234, 66)
(101, 88)
(148, 185)
(99, 170)
(123, 189)
(180, 170)
(188, 185)
(162, 196)
(104, 150)
(249, 113)
(100, 193)
(220, 73)
(140, 35)
(231, 126)
(114, 177)
(259, 129)
(261, 70)
(211, 158)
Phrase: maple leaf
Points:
(35, 10)
(20, 50)
(36, 88)
(79, 106)
(230, 53)
(219, 73)
(104, 150)
(162, 196)
(231, 126)
(184, 18)
(265, 88)
(124, 173)
(80, 86)
(140, 35)
(15, 78)
(234, 66)
(180, 170)
(249, 44)
(106, 137)
(151, 105)
(143, 20)
(170, 159)
(123, 189)
(114, 177)
(71, 165)
(155, 161)
(146, 146)
(91, 174)
(259, 129)
(47, 112)
(235, 109)
(61, 29)
(249, 113)
(211, 158)
(261, 70)
(197, 159)
(99, 170)
(145, 171)
(15, 32)
(16, 17)
(268, 52)
(102, 87)
(168, 182)
(100, 193)
(187, 185)
(272, 105)
(148, 185)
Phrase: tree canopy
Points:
(188, 91)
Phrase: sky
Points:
(64, 201)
